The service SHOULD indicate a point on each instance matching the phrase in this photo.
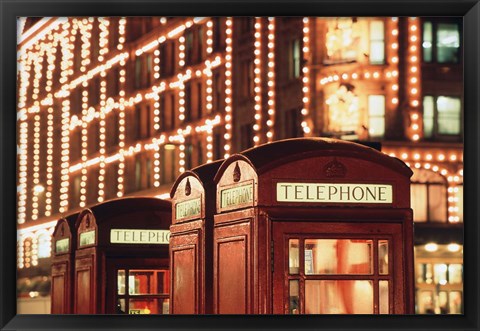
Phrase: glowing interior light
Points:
(431, 247)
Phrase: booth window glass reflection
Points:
(147, 291)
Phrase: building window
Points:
(138, 73)
(246, 136)
(441, 42)
(217, 101)
(217, 34)
(199, 153)
(441, 116)
(292, 125)
(377, 42)
(428, 197)
(376, 115)
(188, 102)
(294, 59)
(44, 246)
(188, 47)
(188, 155)
(168, 164)
(217, 146)
(148, 172)
(247, 76)
(138, 173)
(247, 24)
(75, 192)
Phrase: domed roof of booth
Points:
(270, 155)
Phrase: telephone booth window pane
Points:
(455, 273)
(293, 256)
(338, 297)
(141, 282)
(383, 297)
(383, 257)
(338, 256)
(455, 302)
(121, 282)
(120, 306)
(443, 302)
(293, 293)
(147, 306)
(440, 274)
(426, 303)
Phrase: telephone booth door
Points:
(338, 268)
(138, 286)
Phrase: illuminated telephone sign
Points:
(137, 236)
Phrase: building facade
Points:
(112, 107)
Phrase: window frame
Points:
(435, 131)
(435, 23)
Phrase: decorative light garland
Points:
(257, 81)
(413, 76)
(271, 79)
(228, 87)
(306, 77)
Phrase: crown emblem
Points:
(236, 173)
(188, 187)
(335, 169)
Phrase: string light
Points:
(228, 87)
(271, 79)
(306, 77)
(413, 78)
(257, 81)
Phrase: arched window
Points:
(428, 196)
(44, 246)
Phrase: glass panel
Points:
(418, 202)
(442, 302)
(145, 306)
(121, 282)
(437, 203)
(448, 43)
(293, 256)
(293, 294)
(338, 256)
(448, 115)
(428, 273)
(383, 257)
(376, 111)
(146, 282)
(383, 297)
(425, 304)
(338, 297)
(440, 274)
(428, 111)
(377, 45)
(455, 302)
(120, 306)
(427, 42)
(459, 199)
(455, 273)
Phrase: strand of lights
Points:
(306, 73)
(83, 181)
(228, 87)
(393, 59)
(153, 144)
(181, 100)
(156, 166)
(36, 164)
(271, 78)
(23, 158)
(156, 121)
(209, 36)
(85, 27)
(453, 209)
(48, 194)
(104, 24)
(209, 145)
(413, 77)
(121, 114)
(66, 64)
(257, 81)
(102, 129)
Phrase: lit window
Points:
(441, 116)
(428, 197)
(376, 115)
(441, 42)
(377, 42)
(294, 57)
(44, 246)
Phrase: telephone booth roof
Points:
(203, 173)
(69, 220)
(109, 209)
(259, 175)
(268, 156)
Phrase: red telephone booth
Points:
(63, 247)
(313, 226)
(121, 261)
(191, 253)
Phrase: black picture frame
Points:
(10, 9)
